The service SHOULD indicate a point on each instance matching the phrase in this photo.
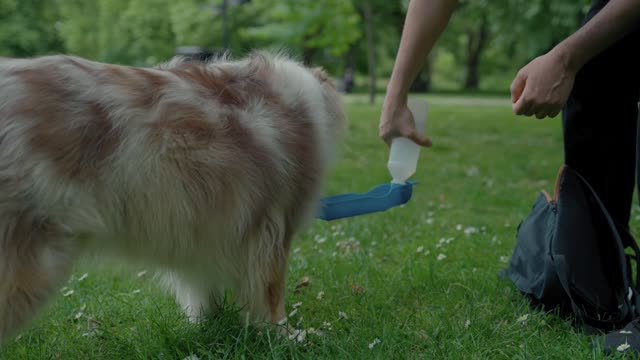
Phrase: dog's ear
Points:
(320, 73)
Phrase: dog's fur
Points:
(204, 172)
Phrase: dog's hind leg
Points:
(263, 292)
(35, 259)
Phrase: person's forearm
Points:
(608, 26)
(424, 23)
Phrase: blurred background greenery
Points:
(482, 49)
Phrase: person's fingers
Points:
(543, 112)
(420, 139)
(517, 87)
(553, 113)
(522, 106)
(387, 135)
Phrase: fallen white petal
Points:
(419, 249)
(297, 305)
(623, 347)
(142, 273)
(523, 318)
(342, 315)
(84, 276)
(467, 324)
(293, 313)
(320, 295)
(441, 257)
(68, 293)
(374, 343)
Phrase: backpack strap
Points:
(613, 225)
(562, 268)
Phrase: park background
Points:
(418, 281)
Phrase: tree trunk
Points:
(307, 56)
(423, 80)
(371, 49)
(475, 45)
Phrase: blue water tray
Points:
(378, 199)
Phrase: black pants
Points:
(600, 122)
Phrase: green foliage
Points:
(28, 27)
(326, 32)
(333, 25)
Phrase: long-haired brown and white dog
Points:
(205, 171)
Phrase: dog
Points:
(202, 171)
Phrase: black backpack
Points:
(570, 256)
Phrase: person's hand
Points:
(397, 121)
(542, 87)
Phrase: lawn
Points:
(418, 281)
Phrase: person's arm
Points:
(424, 23)
(542, 87)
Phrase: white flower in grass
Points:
(320, 295)
(291, 314)
(623, 347)
(142, 273)
(68, 293)
(471, 230)
(343, 315)
(449, 240)
(84, 276)
(522, 319)
(327, 325)
(296, 250)
(429, 221)
(297, 305)
(375, 342)
(427, 252)
(419, 249)
(298, 335)
(441, 257)
(504, 259)
(467, 324)
(192, 357)
(374, 243)
(136, 291)
(458, 227)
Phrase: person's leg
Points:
(600, 122)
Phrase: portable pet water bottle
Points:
(402, 163)
(404, 153)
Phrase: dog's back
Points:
(207, 170)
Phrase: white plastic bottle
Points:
(404, 153)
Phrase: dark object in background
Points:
(197, 53)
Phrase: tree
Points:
(28, 28)
(306, 26)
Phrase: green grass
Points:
(484, 172)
